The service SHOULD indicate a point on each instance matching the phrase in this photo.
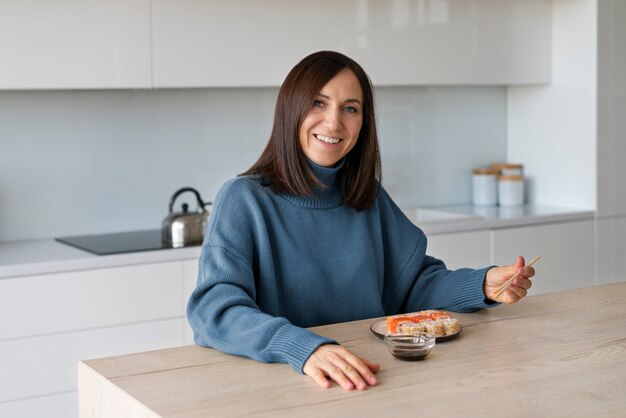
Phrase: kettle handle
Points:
(201, 204)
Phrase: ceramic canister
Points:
(484, 187)
(510, 190)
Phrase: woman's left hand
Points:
(517, 290)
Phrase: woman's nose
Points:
(333, 118)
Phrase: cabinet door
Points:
(38, 367)
(74, 44)
(69, 301)
(251, 43)
(46, 364)
(64, 405)
(190, 277)
(610, 250)
(461, 249)
(566, 251)
(52, 321)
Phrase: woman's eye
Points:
(351, 109)
(318, 103)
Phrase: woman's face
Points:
(331, 128)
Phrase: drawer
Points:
(47, 365)
(64, 405)
(69, 301)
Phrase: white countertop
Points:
(25, 258)
(471, 218)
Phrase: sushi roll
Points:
(451, 325)
(394, 321)
(435, 328)
(435, 315)
(411, 328)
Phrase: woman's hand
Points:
(518, 288)
(336, 363)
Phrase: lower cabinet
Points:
(55, 405)
(52, 321)
(461, 249)
(610, 250)
(566, 250)
(190, 277)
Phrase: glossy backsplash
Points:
(90, 162)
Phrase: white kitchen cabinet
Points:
(461, 249)
(610, 250)
(566, 251)
(61, 302)
(248, 43)
(190, 277)
(75, 44)
(58, 405)
(51, 321)
(46, 364)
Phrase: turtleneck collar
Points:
(328, 197)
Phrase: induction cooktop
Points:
(119, 242)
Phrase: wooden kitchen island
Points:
(559, 354)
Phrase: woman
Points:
(307, 236)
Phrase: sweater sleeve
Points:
(433, 286)
(222, 310)
(417, 281)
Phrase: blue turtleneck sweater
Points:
(273, 264)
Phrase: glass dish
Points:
(410, 347)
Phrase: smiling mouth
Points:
(327, 139)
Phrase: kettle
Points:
(185, 228)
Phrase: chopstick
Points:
(506, 284)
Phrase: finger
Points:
(524, 273)
(362, 371)
(529, 271)
(374, 367)
(355, 376)
(338, 375)
(517, 292)
(320, 378)
(355, 370)
(522, 282)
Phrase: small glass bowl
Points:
(410, 347)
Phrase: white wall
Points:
(83, 162)
(552, 129)
(610, 226)
(612, 108)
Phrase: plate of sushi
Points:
(438, 323)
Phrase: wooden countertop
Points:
(559, 354)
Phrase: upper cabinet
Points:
(78, 44)
(216, 43)
(75, 44)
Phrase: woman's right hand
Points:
(336, 363)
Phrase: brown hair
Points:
(282, 164)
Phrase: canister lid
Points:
(510, 178)
(485, 171)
